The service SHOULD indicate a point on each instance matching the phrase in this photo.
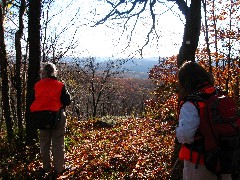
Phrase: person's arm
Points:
(65, 97)
(32, 96)
(189, 121)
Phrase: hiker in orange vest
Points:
(50, 95)
(193, 79)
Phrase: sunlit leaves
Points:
(222, 57)
(134, 148)
(164, 104)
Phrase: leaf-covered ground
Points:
(131, 148)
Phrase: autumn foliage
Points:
(164, 103)
(127, 148)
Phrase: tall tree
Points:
(18, 83)
(34, 63)
(4, 74)
(191, 30)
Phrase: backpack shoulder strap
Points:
(195, 99)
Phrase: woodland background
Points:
(118, 127)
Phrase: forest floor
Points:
(125, 148)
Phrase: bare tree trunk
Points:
(94, 105)
(24, 80)
(207, 38)
(34, 64)
(236, 86)
(191, 31)
(229, 54)
(215, 42)
(18, 79)
(4, 76)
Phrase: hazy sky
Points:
(112, 39)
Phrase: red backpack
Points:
(220, 132)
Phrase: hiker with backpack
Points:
(49, 100)
(206, 152)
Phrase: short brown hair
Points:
(191, 76)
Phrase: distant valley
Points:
(134, 68)
(139, 68)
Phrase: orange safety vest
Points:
(47, 95)
(191, 155)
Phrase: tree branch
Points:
(182, 5)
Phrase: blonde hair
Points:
(49, 69)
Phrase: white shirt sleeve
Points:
(189, 121)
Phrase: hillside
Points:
(139, 68)
(134, 68)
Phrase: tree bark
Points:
(34, 64)
(18, 83)
(4, 76)
(207, 38)
(191, 31)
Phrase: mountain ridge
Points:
(135, 68)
